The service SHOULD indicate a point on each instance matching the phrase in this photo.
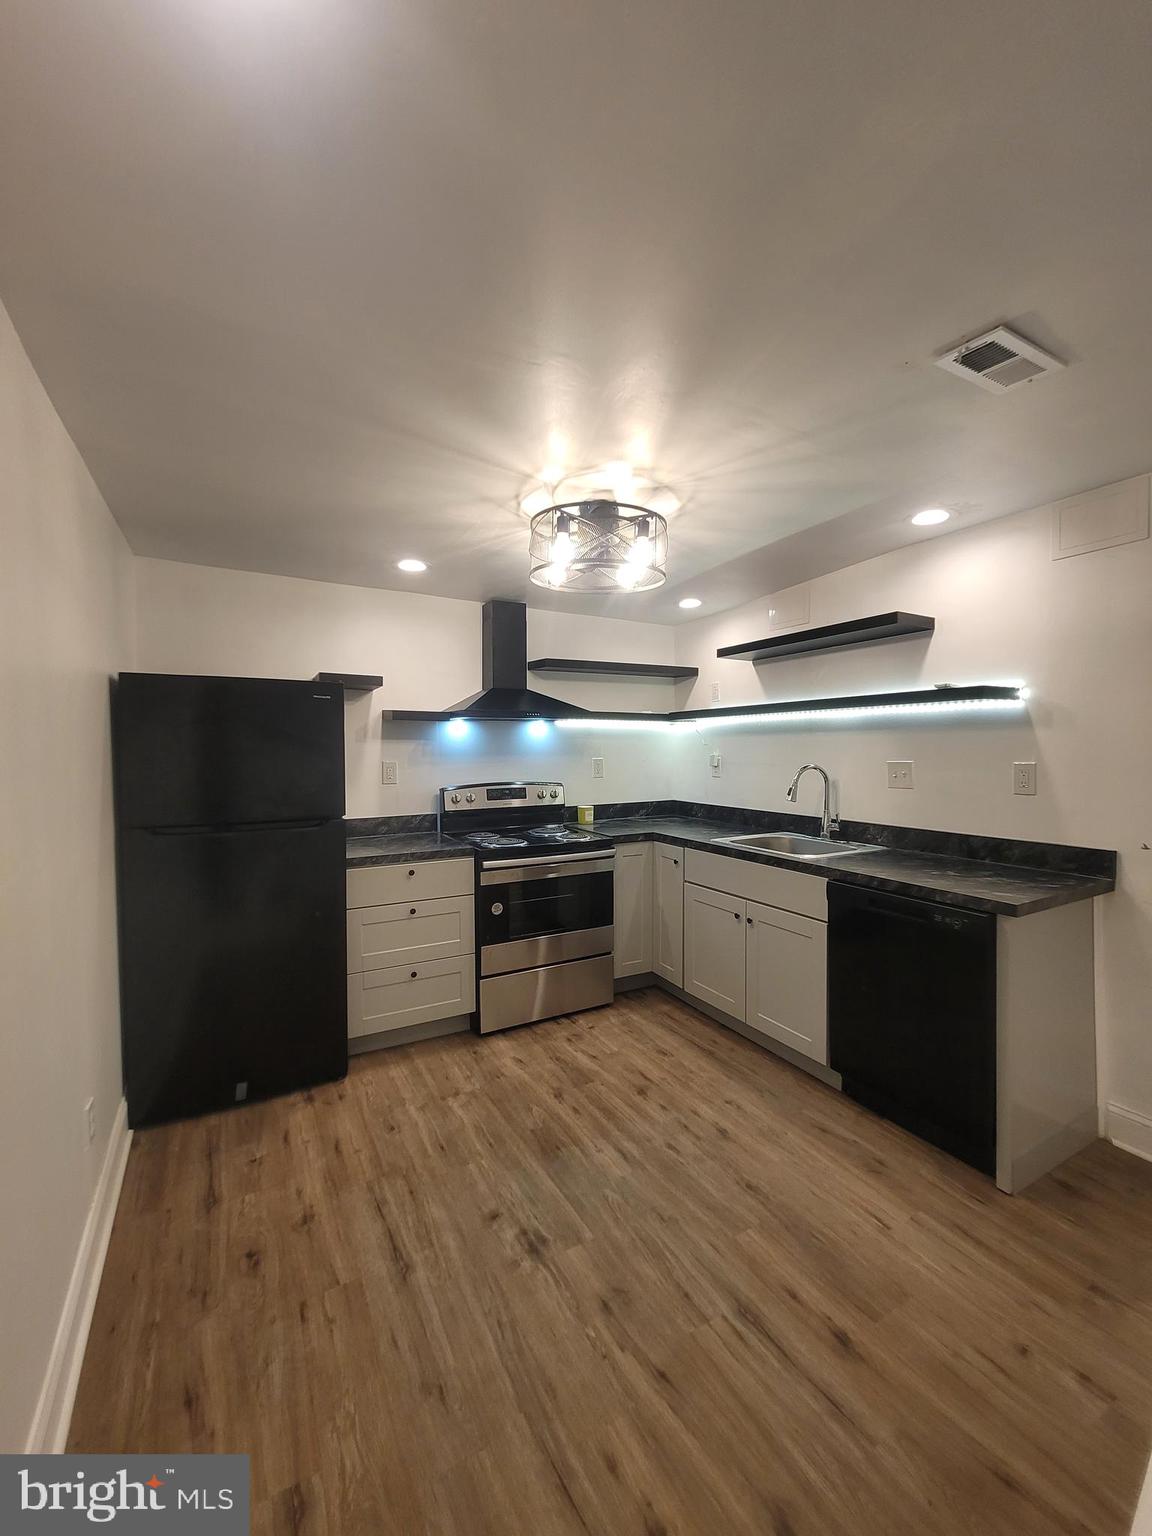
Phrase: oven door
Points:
(534, 912)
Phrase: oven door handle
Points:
(500, 871)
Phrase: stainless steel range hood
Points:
(505, 694)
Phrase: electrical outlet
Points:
(389, 773)
(90, 1120)
(716, 763)
(597, 767)
(715, 693)
(900, 776)
(1023, 778)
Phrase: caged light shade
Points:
(598, 546)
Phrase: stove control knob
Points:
(554, 794)
(469, 797)
(541, 794)
(455, 799)
(497, 908)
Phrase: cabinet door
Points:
(714, 967)
(788, 979)
(668, 912)
(633, 903)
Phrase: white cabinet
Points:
(714, 946)
(790, 889)
(382, 884)
(761, 963)
(787, 960)
(633, 909)
(411, 945)
(404, 932)
(402, 995)
(668, 912)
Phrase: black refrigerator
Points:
(229, 807)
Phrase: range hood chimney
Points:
(506, 694)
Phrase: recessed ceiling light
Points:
(690, 602)
(411, 565)
(931, 515)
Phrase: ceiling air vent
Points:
(998, 360)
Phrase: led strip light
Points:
(808, 711)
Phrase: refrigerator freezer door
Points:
(216, 751)
(233, 956)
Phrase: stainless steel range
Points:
(543, 902)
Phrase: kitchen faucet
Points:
(829, 824)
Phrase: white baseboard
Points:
(50, 1422)
(1130, 1130)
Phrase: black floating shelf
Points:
(972, 693)
(462, 714)
(880, 626)
(351, 682)
(614, 668)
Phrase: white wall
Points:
(1077, 631)
(66, 596)
(196, 618)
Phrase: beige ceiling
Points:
(312, 282)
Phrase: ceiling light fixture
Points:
(598, 546)
(413, 566)
(931, 516)
(689, 602)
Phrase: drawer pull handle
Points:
(675, 861)
(411, 872)
(749, 922)
(736, 915)
(413, 975)
(411, 911)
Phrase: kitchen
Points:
(578, 898)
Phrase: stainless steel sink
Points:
(797, 845)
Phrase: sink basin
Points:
(797, 845)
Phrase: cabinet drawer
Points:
(772, 887)
(402, 995)
(385, 884)
(410, 931)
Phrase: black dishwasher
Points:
(912, 1016)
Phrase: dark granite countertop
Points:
(1006, 889)
(1009, 890)
(403, 848)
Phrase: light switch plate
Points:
(716, 763)
(389, 773)
(715, 693)
(1023, 778)
(597, 767)
(901, 776)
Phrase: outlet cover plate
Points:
(389, 773)
(597, 767)
(1023, 778)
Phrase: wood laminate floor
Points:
(623, 1273)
